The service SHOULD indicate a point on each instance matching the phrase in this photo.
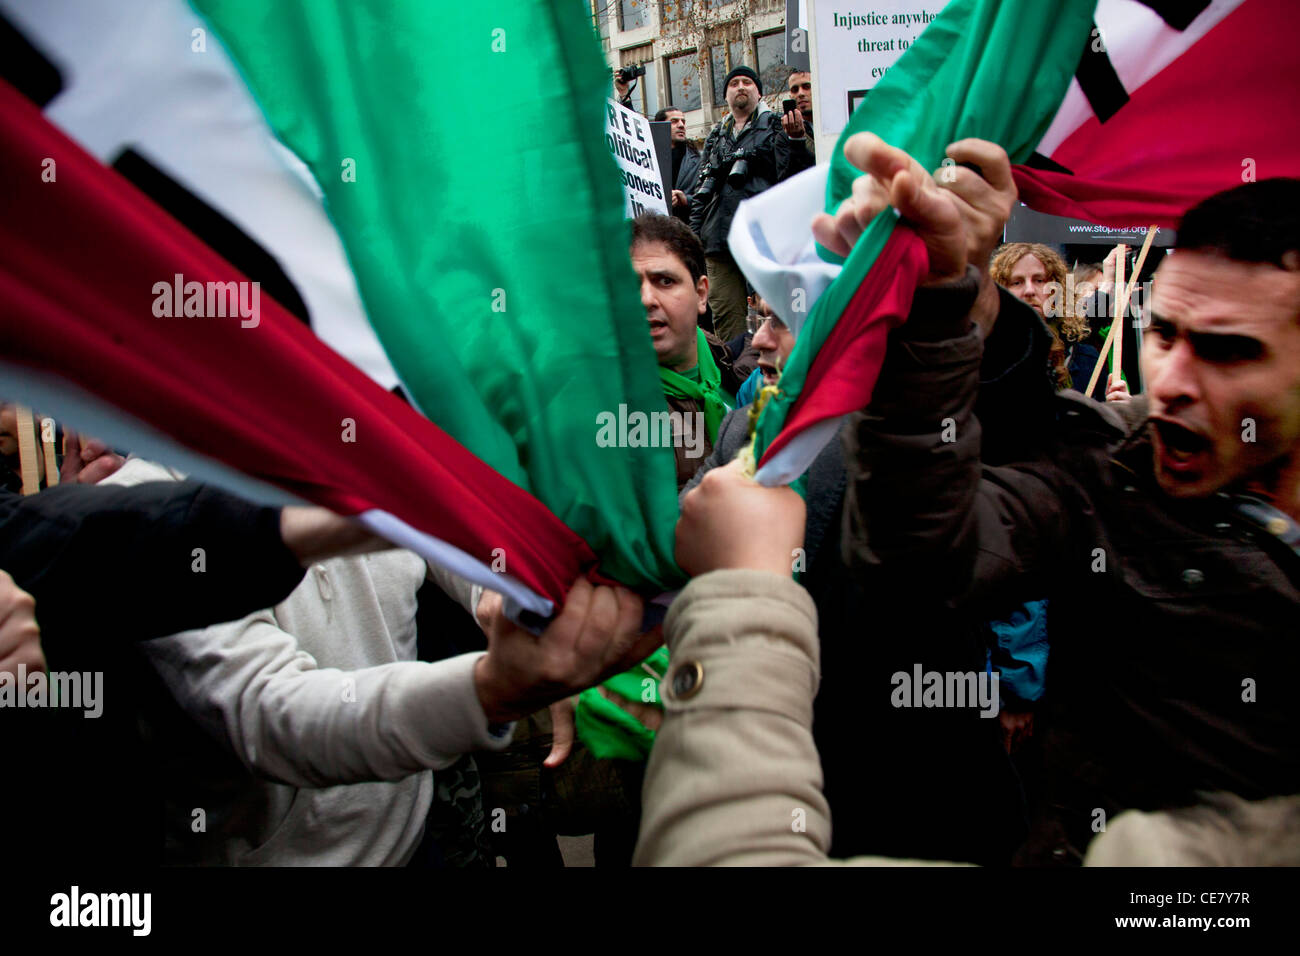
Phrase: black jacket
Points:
(688, 177)
(912, 783)
(79, 547)
(108, 567)
(1169, 616)
(770, 158)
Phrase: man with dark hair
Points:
(686, 162)
(1167, 544)
(694, 367)
(798, 123)
(745, 154)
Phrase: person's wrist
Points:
(313, 534)
(778, 562)
(931, 281)
(775, 561)
(491, 695)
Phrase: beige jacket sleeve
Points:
(734, 778)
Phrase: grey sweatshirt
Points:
(333, 724)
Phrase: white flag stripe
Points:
(1140, 44)
(771, 241)
(798, 455)
(79, 410)
(132, 79)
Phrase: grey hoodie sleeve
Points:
(251, 687)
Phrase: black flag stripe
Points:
(1179, 14)
(226, 238)
(1098, 79)
(26, 68)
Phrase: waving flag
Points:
(960, 78)
(487, 247)
(1128, 117)
(1171, 102)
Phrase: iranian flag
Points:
(1119, 112)
(425, 202)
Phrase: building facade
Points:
(687, 48)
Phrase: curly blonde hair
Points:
(1066, 325)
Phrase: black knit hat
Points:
(744, 71)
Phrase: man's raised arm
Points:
(919, 505)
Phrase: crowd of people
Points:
(1124, 573)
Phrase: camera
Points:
(627, 74)
(739, 167)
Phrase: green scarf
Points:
(707, 391)
(609, 731)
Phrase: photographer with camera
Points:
(746, 153)
(624, 77)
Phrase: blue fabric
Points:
(1018, 652)
(1083, 359)
(749, 389)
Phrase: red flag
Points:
(1172, 107)
(86, 262)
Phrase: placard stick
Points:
(51, 459)
(27, 459)
(1142, 260)
(1121, 306)
(1101, 360)
(1128, 294)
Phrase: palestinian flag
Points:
(1125, 114)
(472, 259)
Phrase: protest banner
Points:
(854, 43)
(629, 139)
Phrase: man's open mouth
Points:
(770, 372)
(1180, 445)
(656, 325)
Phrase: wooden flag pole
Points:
(1128, 294)
(1142, 260)
(1101, 360)
(27, 450)
(1121, 306)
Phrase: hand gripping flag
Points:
(1129, 117)
(958, 79)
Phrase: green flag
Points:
(461, 154)
(991, 69)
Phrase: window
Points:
(645, 92)
(722, 66)
(682, 9)
(718, 61)
(633, 14)
(772, 70)
(677, 8)
(684, 82)
(737, 53)
(649, 85)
